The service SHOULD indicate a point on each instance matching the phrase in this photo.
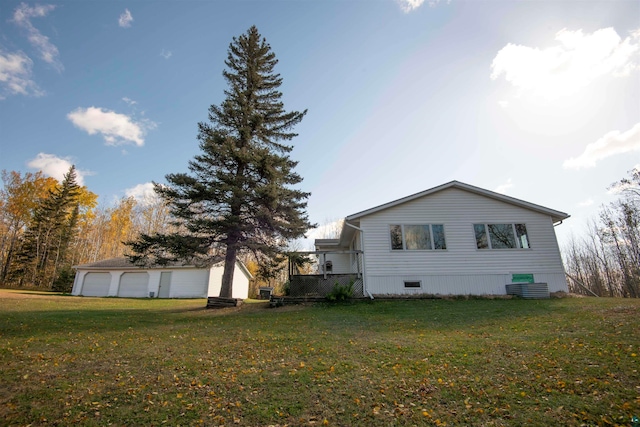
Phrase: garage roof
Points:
(124, 263)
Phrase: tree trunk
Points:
(226, 290)
(8, 259)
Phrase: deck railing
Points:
(324, 281)
(322, 284)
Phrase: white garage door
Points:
(96, 285)
(134, 285)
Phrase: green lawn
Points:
(107, 361)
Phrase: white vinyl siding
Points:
(240, 282)
(457, 284)
(340, 263)
(462, 264)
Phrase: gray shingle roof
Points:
(124, 263)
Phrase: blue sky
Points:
(539, 100)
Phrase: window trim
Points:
(488, 235)
(404, 240)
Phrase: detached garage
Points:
(119, 277)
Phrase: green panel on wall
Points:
(522, 278)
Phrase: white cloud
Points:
(125, 19)
(116, 129)
(576, 60)
(22, 17)
(166, 54)
(15, 75)
(56, 167)
(129, 101)
(408, 6)
(503, 188)
(612, 143)
(143, 193)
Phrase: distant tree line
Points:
(46, 227)
(606, 261)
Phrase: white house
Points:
(119, 277)
(454, 239)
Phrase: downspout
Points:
(364, 270)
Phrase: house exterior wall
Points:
(341, 263)
(461, 268)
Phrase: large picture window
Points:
(501, 236)
(411, 237)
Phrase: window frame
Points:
(514, 230)
(403, 239)
(419, 282)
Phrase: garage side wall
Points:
(240, 282)
(189, 283)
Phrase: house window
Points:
(396, 237)
(412, 284)
(417, 237)
(521, 236)
(501, 236)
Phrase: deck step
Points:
(219, 302)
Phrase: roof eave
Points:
(555, 215)
(135, 267)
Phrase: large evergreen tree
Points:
(240, 194)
